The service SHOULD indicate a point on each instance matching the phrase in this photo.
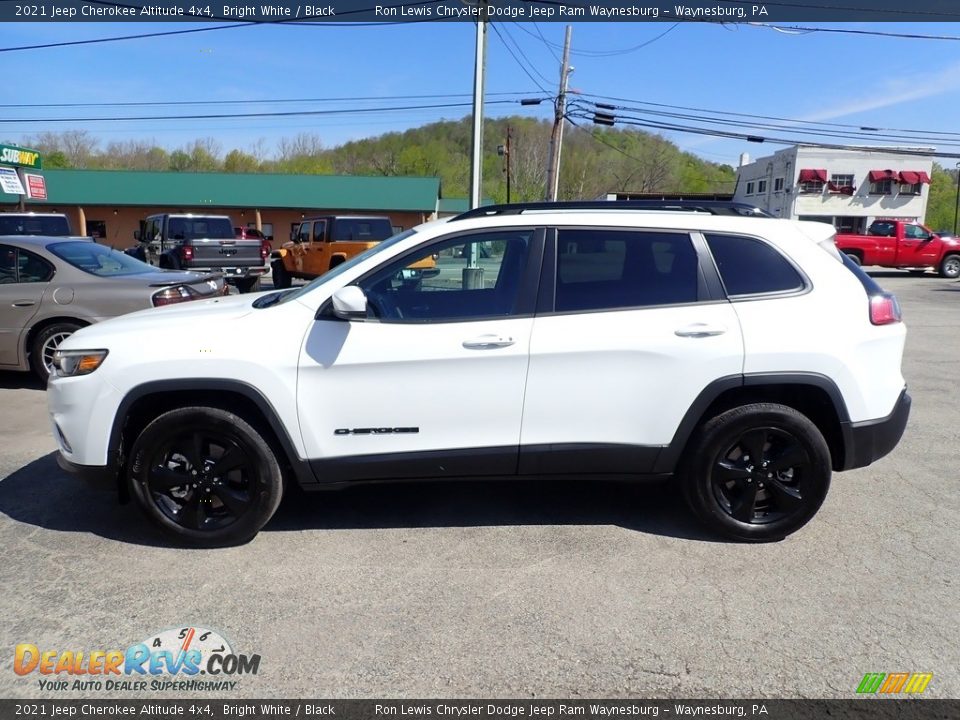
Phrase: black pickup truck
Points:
(205, 243)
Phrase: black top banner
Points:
(566, 11)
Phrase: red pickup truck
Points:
(902, 244)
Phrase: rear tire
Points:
(854, 258)
(205, 477)
(950, 266)
(45, 343)
(281, 278)
(757, 473)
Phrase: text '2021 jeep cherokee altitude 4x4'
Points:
(742, 355)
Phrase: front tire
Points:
(950, 266)
(45, 344)
(281, 278)
(758, 472)
(205, 477)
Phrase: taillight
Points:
(264, 249)
(884, 309)
(172, 295)
(186, 253)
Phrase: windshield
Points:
(33, 225)
(97, 259)
(343, 267)
(200, 228)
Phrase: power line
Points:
(749, 137)
(598, 53)
(774, 126)
(522, 67)
(289, 113)
(273, 101)
(553, 51)
(533, 66)
(796, 121)
(849, 31)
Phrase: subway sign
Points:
(20, 157)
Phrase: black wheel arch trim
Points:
(670, 456)
(301, 468)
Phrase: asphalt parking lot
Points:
(516, 590)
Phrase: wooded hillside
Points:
(595, 161)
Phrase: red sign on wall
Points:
(36, 187)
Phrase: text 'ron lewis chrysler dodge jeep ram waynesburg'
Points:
(743, 356)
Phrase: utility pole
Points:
(504, 152)
(556, 137)
(476, 141)
(472, 274)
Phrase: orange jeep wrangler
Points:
(322, 243)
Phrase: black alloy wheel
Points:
(760, 478)
(205, 476)
(757, 472)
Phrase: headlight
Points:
(69, 363)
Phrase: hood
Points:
(169, 320)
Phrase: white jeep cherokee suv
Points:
(743, 356)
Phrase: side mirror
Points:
(294, 234)
(350, 303)
(136, 234)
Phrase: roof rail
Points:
(711, 207)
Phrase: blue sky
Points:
(862, 80)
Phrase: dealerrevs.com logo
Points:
(185, 659)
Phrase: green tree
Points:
(238, 161)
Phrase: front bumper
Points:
(868, 441)
(100, 477)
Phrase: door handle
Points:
(698, 330)
(24, 303)
(486, 342)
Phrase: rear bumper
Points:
(232, 273)
(867, 442)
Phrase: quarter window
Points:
(465, 278)
(751, 267)
(610, 269)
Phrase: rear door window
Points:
(610, 269)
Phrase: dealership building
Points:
(847, 188)
(109, 204)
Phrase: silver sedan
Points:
(50, 287)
